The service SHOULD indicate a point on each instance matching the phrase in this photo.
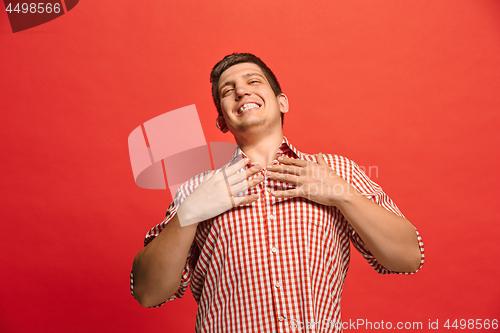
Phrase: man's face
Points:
(248, 101)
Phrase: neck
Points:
(261, 149)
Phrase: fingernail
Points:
(280, 158)
(255, 196)
(269, 166)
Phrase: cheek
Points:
(225, 106)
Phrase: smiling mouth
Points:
(247, 106)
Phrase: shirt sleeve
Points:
(182, 193)
(374, 192)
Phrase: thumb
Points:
(321, 160)
(208, 175)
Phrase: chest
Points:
(302, 226)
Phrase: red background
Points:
(411, 87)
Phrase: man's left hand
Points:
(317, 182)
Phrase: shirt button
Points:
(271, 217)
(281, 318)
(274, 250)
(277, 285)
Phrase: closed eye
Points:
(225, 92)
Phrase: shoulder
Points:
(332, 159)
(342, 165)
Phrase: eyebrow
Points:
(228, 83)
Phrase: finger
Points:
(292, 161)
(286, 194)
(241, 176)
(223, 171)
(295, 170)
(240, 201)
(231, 170)
(240, 187)
(321, 160)
(284, 177)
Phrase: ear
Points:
(283, 102)
(220, 122)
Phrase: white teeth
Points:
(248, 106)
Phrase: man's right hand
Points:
(158, 267)
(216, 193)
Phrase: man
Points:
(275, 258)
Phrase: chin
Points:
(254, 123)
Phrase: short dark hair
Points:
(238, 58)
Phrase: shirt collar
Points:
(286, 148)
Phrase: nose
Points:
(241, 91)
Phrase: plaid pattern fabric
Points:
(277, 264)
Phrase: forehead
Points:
(239, 70)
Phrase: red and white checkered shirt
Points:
(276, 264)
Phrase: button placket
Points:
(274, 259)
